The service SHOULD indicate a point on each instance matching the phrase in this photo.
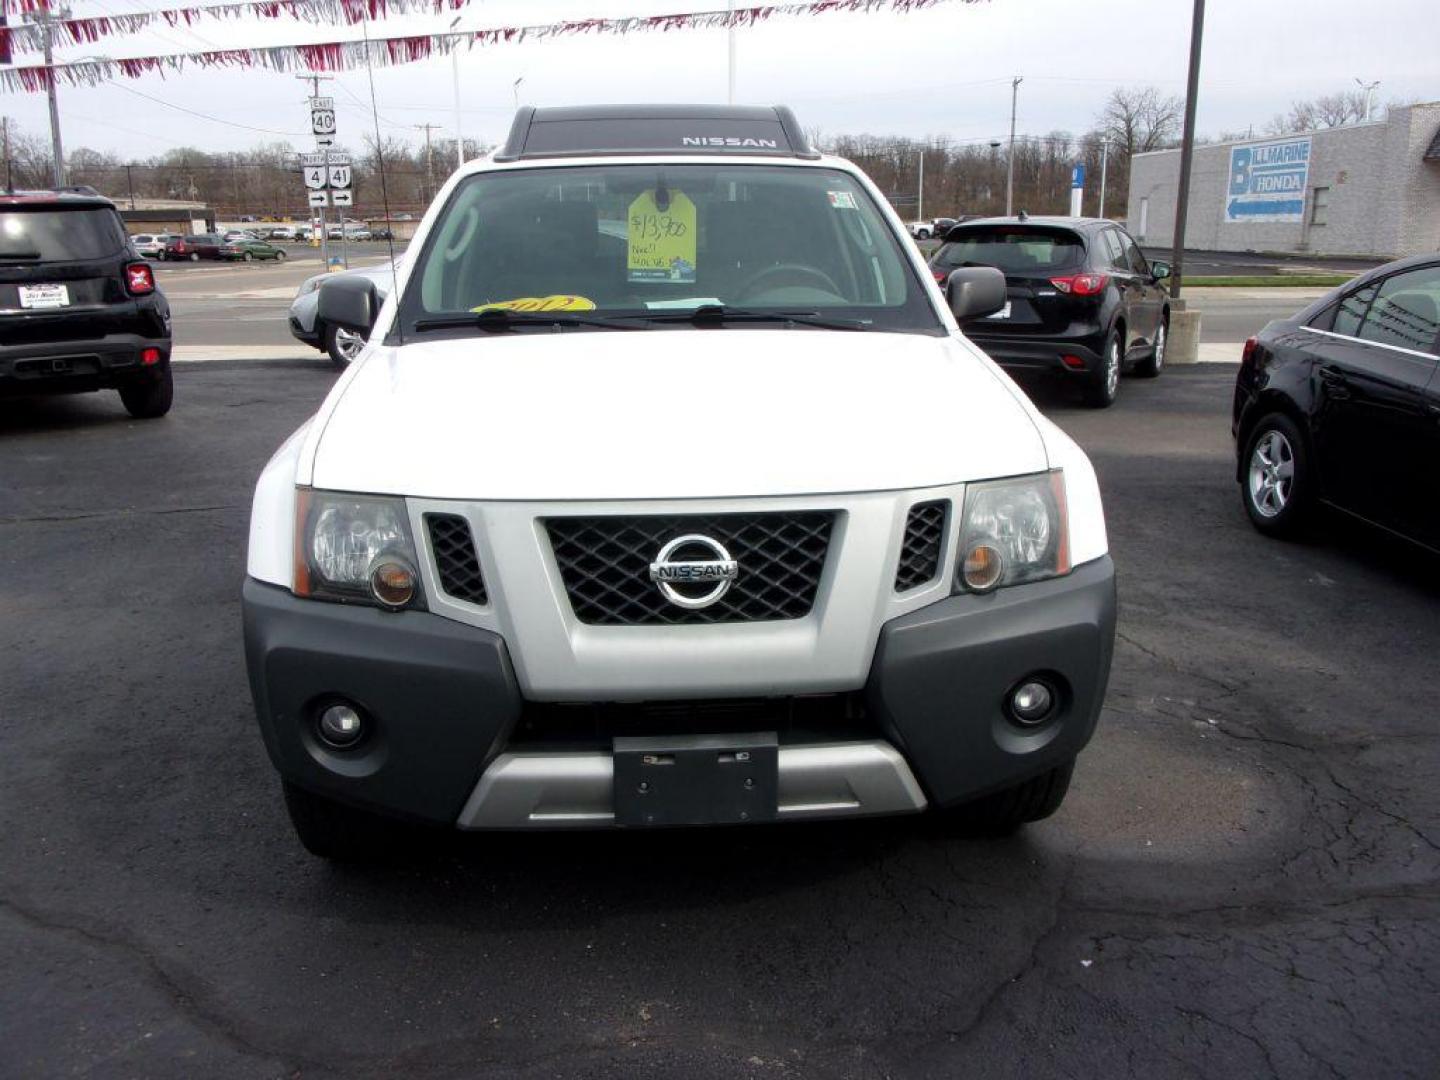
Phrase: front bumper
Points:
(444, 700)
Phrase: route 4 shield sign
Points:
(315, 177)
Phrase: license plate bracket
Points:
(696, 779)
(43, 297)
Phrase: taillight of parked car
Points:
(1081, 284)
(1247, 354)
(139, 279)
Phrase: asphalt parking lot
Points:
(1245, 880)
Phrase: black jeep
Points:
(79, 308)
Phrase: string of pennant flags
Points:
(349, 54)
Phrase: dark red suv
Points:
(79, 308)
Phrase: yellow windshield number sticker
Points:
(540, 303)
(662, 241)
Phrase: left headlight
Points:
(1013, 531)
(355, 549)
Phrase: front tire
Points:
(248, 257)
(1276, 479)
(280, 256)
(194, 256)
(1001, 813)
(1104, 381)
(343, 346)
(1153, 364)
(150, 399)
(331, 830)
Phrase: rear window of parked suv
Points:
(52, 235)
(1014, 248)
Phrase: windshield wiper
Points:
(718, 314)
(494, 320)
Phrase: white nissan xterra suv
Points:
(666, 491)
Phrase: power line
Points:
(204, 116)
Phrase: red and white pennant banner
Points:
(352, 12)
(28, 36)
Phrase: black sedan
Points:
(1340, 405)
(1084, 304)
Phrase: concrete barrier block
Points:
(1183, 346)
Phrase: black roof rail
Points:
(582, 131)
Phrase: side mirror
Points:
(975, 291)
(349, 302)
(1160, 270)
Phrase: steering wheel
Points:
(752, 283)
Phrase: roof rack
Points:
(769, 131)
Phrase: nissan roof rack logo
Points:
(728, 140)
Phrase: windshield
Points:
(642, 244)
(60, 235)
(1011, 248)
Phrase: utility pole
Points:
(5, 128)
(46, 17)
(1104, 166)
(429, 161)
(129, 183)
(1010, 163)
(1187, 147)
(920, 192)
(455, 62)
(1369, 89)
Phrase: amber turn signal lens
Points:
(393, 584)
(982, 568)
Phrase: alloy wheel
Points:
(348, 344)
(1160, 348)
(1112, 368)
(1272, 473)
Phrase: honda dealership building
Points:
(1365, 189)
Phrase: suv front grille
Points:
(920, 553)
(456, 563)
(605, 564)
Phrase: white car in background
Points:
(150, 245)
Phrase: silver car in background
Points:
(342, 346)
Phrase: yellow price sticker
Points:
(662, 242)
(540, 303)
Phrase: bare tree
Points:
(1139, 119)
(1327, 111)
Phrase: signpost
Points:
(328, 175)
(1077, 188)
(322, 120)
(1268, 181)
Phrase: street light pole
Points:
(730, 48)
(1369, 89)
(920, 193)
(455, 62)
(1010, 155)
(1187, 147)
(46, 17)
(1104, 166)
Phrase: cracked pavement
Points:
(1244, 881)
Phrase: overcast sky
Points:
(944, 71)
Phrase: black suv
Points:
(79, 308)
(1082, 301)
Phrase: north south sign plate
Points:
(1268, 181)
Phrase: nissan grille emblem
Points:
(673, 575)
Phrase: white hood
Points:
(671, 414)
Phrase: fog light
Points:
(1032, 702)
(1073, 362)
(341, 726)
(392, 583)
(983, 568)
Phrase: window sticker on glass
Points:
(540, 303)
(662, 237)
(842, 200)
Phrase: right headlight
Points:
(355, 549)
(1013, 531)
